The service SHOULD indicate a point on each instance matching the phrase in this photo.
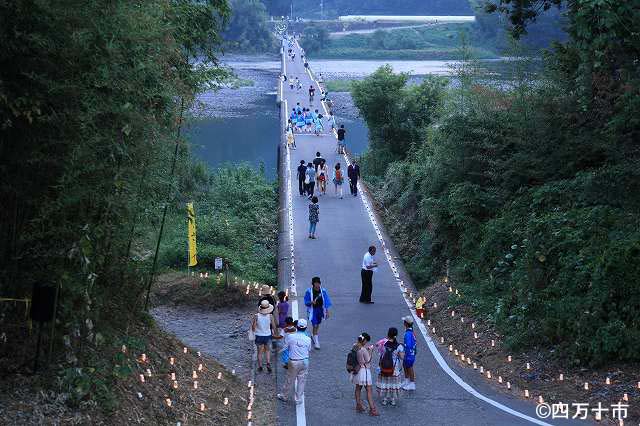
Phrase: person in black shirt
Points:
(354, 174)
(341, 142)
(302, 170)
(317, 161)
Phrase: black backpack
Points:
(352, 361)
(387, 366)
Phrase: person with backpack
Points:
(338, 180)
(390, 366)
(317, 301)
(359, 366)
(410, 344)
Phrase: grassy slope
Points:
(432, 42)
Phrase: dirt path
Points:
(222, 333)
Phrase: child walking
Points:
(338, 179)
(314, 217)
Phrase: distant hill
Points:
(333, 8)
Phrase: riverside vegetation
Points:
(529, 195)
(89, 126)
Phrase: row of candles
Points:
(486, 373)
(144, 359)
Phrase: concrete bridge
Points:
(446, 393)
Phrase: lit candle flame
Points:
(172, 360)
(526, 393)
(200, 367)
(220, 375)
(202, 407)
(168, 401)
(142, 378)
(195, 384)
(226, 401)
(194, 374)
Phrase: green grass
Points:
(434, 42)
(407, 55)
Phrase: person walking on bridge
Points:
(353, 172)
(338, 180)
(341, 139)
(317, 301)
(314, 217)
(302, 174)
(409, 343)
(312, 92)
(362, 377)
(369, 266)
(310, 179)
(298, 344)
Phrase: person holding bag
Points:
(362, 377)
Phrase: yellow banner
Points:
(191, 218)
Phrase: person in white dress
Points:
(363, 377)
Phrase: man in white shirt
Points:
(299, 345)
(369, 265)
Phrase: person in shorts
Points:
(317, 301)
(341, 140)
(264, 326)
(409, 343)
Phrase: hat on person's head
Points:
(408, 319)
(265, 307)
(302, 324)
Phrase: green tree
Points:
(248, 29)
(314, 38)
(91, 98)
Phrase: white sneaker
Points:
(316, 342)
(405, 382)
(281, 397)
(411, 386)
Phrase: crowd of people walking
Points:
(383, 368)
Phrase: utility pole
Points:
(321, 9)
(292, 10)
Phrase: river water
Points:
(242, 125)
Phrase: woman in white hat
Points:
(264, 326)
